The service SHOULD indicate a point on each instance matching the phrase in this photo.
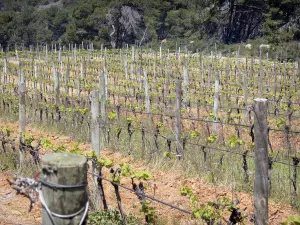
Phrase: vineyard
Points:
(197, 110)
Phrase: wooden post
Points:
(133, 54)
(4, 71)
(64, 192)
(46, 49)
(185, 82)
(102, 97)
(95, 138)
(139, 75)
(216, 102)
(22, 118)
(56, 84)
(125, 66)
(275, 81)
(59, 53)
(202, 72)
(260, 73)
(21, 77)
(105, 74)
(179, 147)
(74, 53)
(35, 75)
(67, 75)
(22, 108)
(78, 84)
(261, 185)
(147, 99)
(160, 49)
(95, 141)
(56, 90)
(245, 94)
(209, 77)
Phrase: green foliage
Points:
(45, 143)
(91, 155)
(195, 24)
(186, 191)
(292, 220)
(126, 170)
(75, 149)
(81, 111)
(212, 138)
(278, 15)
(214, 116)
(142, 175)
(129, 119)
(212, 212)
(280, 122)
(234, 140)
(160, 124)
(105, 162)
(6, 131)
(207, 213)
(112, 115)
(111, 217)
(28, 139)
(59, 148)
(194, 134)
(168, 155)
(149, 211)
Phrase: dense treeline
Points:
(115, 23)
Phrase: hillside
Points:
(199, 23)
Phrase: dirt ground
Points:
(164, 185)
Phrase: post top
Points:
(64, 159)
(260, 100)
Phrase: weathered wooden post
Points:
(179, 146)
(56, 90)
(105, 74)
(209, 78)
(35, 75)
(185, 83)
(202, 72)
(95, 139)
(147, 97)
(22, 117)
(216, 103)
(4, 71)
(102, 97)
(126, 66)
(67, 78)
(78, 84)
(160, 50)
(95, 128)
(64, 194)
(46, 54)
(260, 72)
(261, 185)
(245, 91)
(133, 53)
(275, 81)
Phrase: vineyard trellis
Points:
(144, 104)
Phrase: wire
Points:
(144, 195)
